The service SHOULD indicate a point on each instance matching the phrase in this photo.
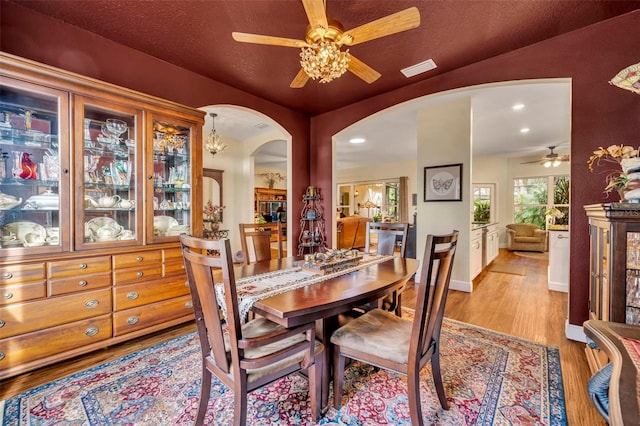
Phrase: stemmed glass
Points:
(116, 127)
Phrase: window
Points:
(532, 197)
(483, 202)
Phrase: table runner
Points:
(256, 287)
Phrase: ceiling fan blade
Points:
(363, 70)
(270, 40)
(316, 13)
(534, 161)
(300, 80)
(395, 23)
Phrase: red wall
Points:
(601, 115)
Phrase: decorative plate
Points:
(161, 224)
(22, 228)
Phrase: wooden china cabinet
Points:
(95, 188)
(614, 279)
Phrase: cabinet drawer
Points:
(129, 296)
(78, 267)
(135, 275)
(172, 255)
(22, 292)
(29, 347)
(17, 274)
(74, 284)
(148, 315)
(41, 314)
(138, 259)
(175, 268)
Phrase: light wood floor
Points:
(517, 305)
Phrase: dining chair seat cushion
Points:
(261, 327)
(379, 329)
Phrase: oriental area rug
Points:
(490, 379)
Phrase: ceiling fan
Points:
(551, 159)
(321, 57)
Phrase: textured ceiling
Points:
(196, 35)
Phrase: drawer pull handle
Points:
(562, 237)
(1, 356)
(2, 323)
(83, 266)
(82, 283)
(188, 305)
(7, 275)
(90, 304)
(132, 295)
(132, 320)
(91, 331)
(8, 295)
(139, 274)
(139, 258)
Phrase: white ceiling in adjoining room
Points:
(391, 135)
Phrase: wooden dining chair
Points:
(382, 339)
(387, 236)
(248, 356)
(255, 239)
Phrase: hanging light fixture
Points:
(214, 143)
(324, 61)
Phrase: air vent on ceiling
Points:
(419, 68)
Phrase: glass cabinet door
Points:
(170, 179)
(34, 170)
(108, 199)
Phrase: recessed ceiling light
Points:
(357, 140)
(524, 130)
(418, 68)
(518, 107)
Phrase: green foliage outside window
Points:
(531, 200)
(482, 211)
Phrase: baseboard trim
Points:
(563, 287)
(461, 285)
(575, 332)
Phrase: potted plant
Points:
(212, 215)
(619, 177)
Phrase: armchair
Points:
(526, 237)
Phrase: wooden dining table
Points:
(325, 300)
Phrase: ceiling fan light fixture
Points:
(324, 61)
(556, 163)
(547, 164)
(214, 143)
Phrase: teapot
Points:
(108, 200)
(126, 204)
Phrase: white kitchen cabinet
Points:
(475, 252)
(491, 244)
(558, 272)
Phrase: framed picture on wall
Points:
(443, 183)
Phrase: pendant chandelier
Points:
(214, 143)
(324, 61)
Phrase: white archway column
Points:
(444, 137)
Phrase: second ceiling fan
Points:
(321, 57)
(551, 159)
